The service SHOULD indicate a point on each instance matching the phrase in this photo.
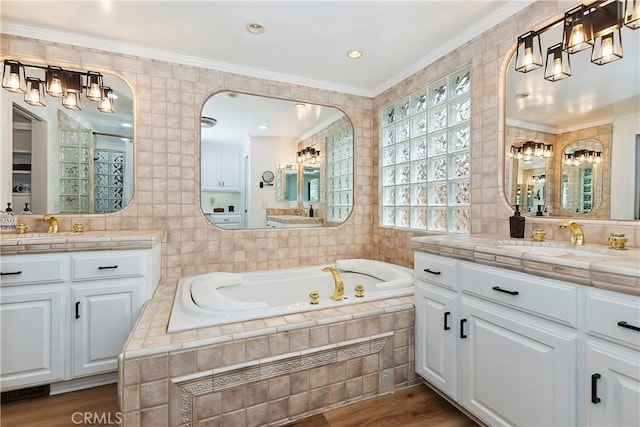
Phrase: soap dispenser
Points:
(516, 224)
(311, 211)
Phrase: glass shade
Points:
(608, 48)
(558, 64)
(578, 30)
(54, 83)
(94, 86)
(529, 52)
(105, 105)
(13, 78)
(632, 14)
(35, 92)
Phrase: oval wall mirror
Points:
(309, 146)
(586, 105)
(68, 161)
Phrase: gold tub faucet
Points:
(53, 223)
(576, 236)
(338, 292)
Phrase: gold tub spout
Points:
(53, 223)
(576, 236)
(338, 292)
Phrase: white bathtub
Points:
(218, 298)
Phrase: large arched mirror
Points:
(600, 103)
(308, 147)
(581, 179)
(76, 160)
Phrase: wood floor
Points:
(415, 406)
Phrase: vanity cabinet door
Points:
(103, 317)
(516, 369)
(436, 339)
(612, 392)
(32, 326)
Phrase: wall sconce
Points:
(632, 14)
(35, 92)
(558, 65)
(580, 157)
(308, 154)
(13, 78)
(596, 25)
(529, 53)
(58, 83)
(531, 149)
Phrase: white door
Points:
(612, 397)
(516, 369)
(103, 319)
(436, 339)
(33, 338)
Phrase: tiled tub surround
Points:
(266, 371)
(616, 270)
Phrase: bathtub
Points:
(219, 298)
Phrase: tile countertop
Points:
(12, 244)
(294, 219)
(616, 270)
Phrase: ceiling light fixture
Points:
(207, 122)
(263, 127)
(522, 95)
(300, 105)
(58, 83)
(354, 53)
(596, 25)
(255, 27)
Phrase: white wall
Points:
(623, 182)
(266, 154)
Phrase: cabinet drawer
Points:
(435, 269)
(104, 266)
(225, 219)
(542, 297)
(31, 269)
(613, 316)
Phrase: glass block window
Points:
(75, 170)
(425, 149)
(108, 180)
(339, 147)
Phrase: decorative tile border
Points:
(186, 389)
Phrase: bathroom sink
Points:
(555, 251)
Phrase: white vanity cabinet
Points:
(221, 168)
(68, 315)
(612, 364)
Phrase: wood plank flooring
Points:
(415, 406)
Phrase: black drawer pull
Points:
(77, 309)
(446, 320)
(11, 273)
(594, 388)
(624, 324)
(462, 322)
(499, 289)
(106, 267)
(426, 270)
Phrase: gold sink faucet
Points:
(53, 223)
(576, 236)
(338, 292)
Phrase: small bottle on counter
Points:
(516, 224)
(311, 211)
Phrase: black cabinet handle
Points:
(624, 324)
(594, 388)
(462, 322)
(426, 270)
(77, 309)
(499, 289)
(106, 267)
(11, 273)
(446, 320)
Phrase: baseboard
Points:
(83, 383)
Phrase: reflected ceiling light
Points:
(35, 92)
(354, 53)
(309, 155)
(580, 157)
(126, 125)
(13, 78)
(529, 52)
(207, 122)
(233, 95)
(531, 149)
(255, 27)
(263, 127)
(632, 14)
(300, 105)
(558, 65)
(58, 83)
(522, 95)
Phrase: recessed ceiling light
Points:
(263, 127)
(354, 53)
(208, 122)
(522, 95)
(255, 27)
(126, 125)
(300, 105)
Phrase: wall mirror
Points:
(66, 161)
(595, 102)
(581, 179)
(245, 134)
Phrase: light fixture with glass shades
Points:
(308, 154)
(58, 83)
(579, 157)
(597, 26)
(531, 149)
